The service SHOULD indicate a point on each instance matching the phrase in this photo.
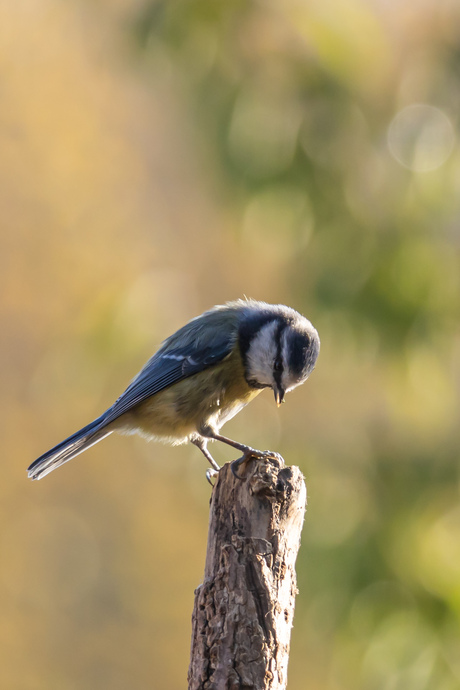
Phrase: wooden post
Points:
(243, 612)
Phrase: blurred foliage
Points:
(161, 157)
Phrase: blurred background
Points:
(161, 157)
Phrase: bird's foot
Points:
(211, 475)
(250, 453)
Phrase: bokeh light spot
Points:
(421, 137)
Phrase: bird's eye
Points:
(278, 365)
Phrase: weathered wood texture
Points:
(243, 612)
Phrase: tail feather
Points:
(69, 448)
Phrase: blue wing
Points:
(162, 371)
(198, 346)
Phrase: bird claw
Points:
(210, 475)
(258, 455)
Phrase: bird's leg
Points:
(200, 443)
(247, 451)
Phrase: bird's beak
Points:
(279, 396)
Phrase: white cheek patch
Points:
(261, 355)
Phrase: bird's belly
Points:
(158, 418)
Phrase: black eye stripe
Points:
(278, 333)
(278, 364)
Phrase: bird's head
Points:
(279, 349)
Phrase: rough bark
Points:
(243, 612)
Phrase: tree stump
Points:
(243, 611)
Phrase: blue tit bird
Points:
(201, 377)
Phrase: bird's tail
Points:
(68, 449)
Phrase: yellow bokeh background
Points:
(160, 157)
